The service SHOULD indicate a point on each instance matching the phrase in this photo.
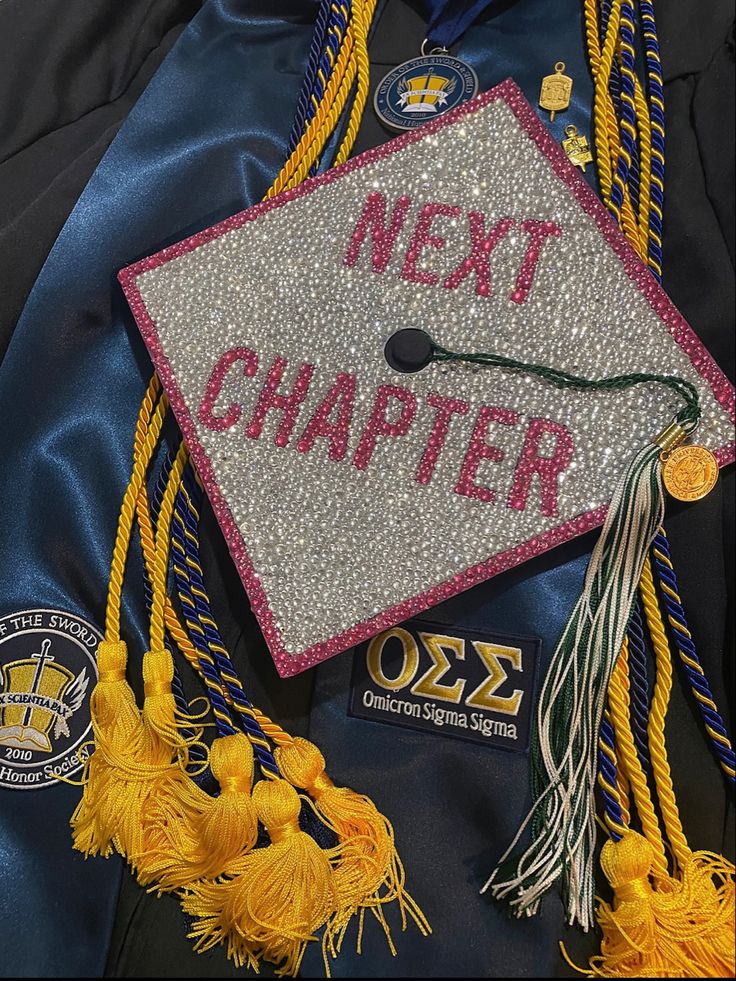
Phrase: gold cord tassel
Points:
(229, 827)
(659, 924)
(206, 835)
(368, 870)
(660, 929)
(124, 770)
(117, 730)
(279, 896)
(121, 772)
(159, 707)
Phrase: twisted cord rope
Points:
(197, 753)
(657, 715)
(161, 553)
(639, 685)
(618, 698)
(340, 18)
(605, 14)
(627, 119)
(616, 815)
(669, 589)
(145, 528)
(352, 61)
(323, 123)
(277, 735)
(207, 668)
(325, 16)
(335, 35)
(147, 432)
(628, 123)
(602, 132)
(607, 134)
(362, 16)
(656, 102)
(640, 177)
(190, 569)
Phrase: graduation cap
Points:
(354, 493)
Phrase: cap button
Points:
(408, 350)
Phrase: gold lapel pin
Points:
(555, 92)
(576, 147)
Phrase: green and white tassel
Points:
(561, 821)
(564, 763)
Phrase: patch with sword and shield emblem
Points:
(48, 669)
(423, 88)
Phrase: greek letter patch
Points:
(452, 681)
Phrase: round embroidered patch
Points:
(422, 89)
(47, 672)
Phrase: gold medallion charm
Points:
(690, 472)
(577, 148)
(555, 92)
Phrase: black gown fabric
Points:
(70, 72)
(82, 73)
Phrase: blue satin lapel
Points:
(206, 139)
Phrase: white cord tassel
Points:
(571, 707)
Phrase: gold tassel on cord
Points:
(159, 707)
(279, 896)
(177, 798)
(208, 834)
(659, 929)
(122, 770)
(191, 835)
(660, 924)
(229, 826)
(367, 861)
(118, 731)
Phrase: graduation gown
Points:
(204, 140)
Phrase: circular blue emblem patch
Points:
(48, 669)
(422, 89)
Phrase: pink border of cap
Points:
(289, 664)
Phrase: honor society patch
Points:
(47, 672)
(453, 681)
(423, 89)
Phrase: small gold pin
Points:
(577, 148)
(555, 92)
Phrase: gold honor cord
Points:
(139, 796)
(661, 923)
(607, 131)
(678, 922)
